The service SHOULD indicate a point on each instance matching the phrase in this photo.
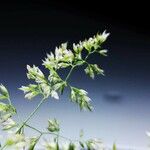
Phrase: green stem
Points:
(73, 66)
(36, 131)
(31, 114)
(33, 128)
(3, 147)
(34, 111)
(42, 133)
(39, 138)
(58, 135)
(70, 72)
(87, 56)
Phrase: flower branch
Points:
(52, 86)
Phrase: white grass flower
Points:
(58, 53)
(102, 37)
(51, 56)
(83, 92)
(35, 73)
(46, 89)
(9, 123)
(3, 92)
(54, 94)
(31, 95)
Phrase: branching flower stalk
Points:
(30, 116)
(51, 86)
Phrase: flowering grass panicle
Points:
(52, 86)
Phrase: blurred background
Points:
(29, 30)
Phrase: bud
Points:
(103, 52)
(3, 93)
(53, 125)
(54, 94)
(102, 37)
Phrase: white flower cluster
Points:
(92, 144)
(16, 141)
(20, 141)
(93, 69)
(4, 95)
(46, 87)
(53, 125)
(95, 144)
(62, 58)
(31, 90)
(6, 110)
(8, 123)
(80, 97)
(92, 43)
